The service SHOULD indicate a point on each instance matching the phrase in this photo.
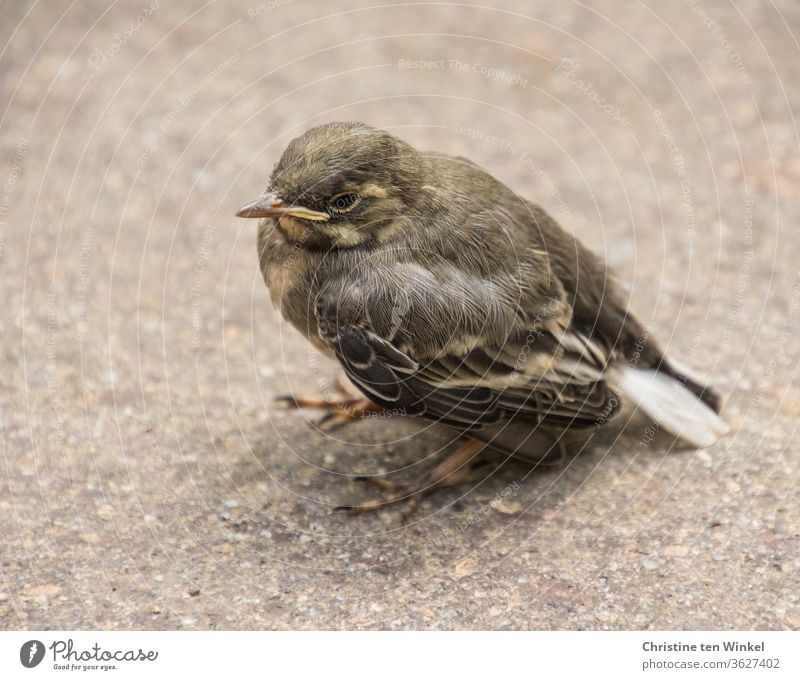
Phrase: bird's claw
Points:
(395, 493)
(456, 468)
(339, 412)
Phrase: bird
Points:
(445, 295)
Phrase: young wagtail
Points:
(445, 295)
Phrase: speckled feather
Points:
(444, 292)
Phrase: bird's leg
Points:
(455, 469)
(339, 411)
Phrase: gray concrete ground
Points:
(147, 479)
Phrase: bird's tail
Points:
(681, 405)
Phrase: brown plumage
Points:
(444, 293)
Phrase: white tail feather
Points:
(673, 406)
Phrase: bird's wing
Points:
(537, 377)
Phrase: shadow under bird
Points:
(444, 294)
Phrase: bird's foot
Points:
(339, 411)
(455, 469)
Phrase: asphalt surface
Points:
(149, 481)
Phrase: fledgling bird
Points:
(444, 294)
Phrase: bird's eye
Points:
(343, 202)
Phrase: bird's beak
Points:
(269, 205)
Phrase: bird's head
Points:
(340, 185)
